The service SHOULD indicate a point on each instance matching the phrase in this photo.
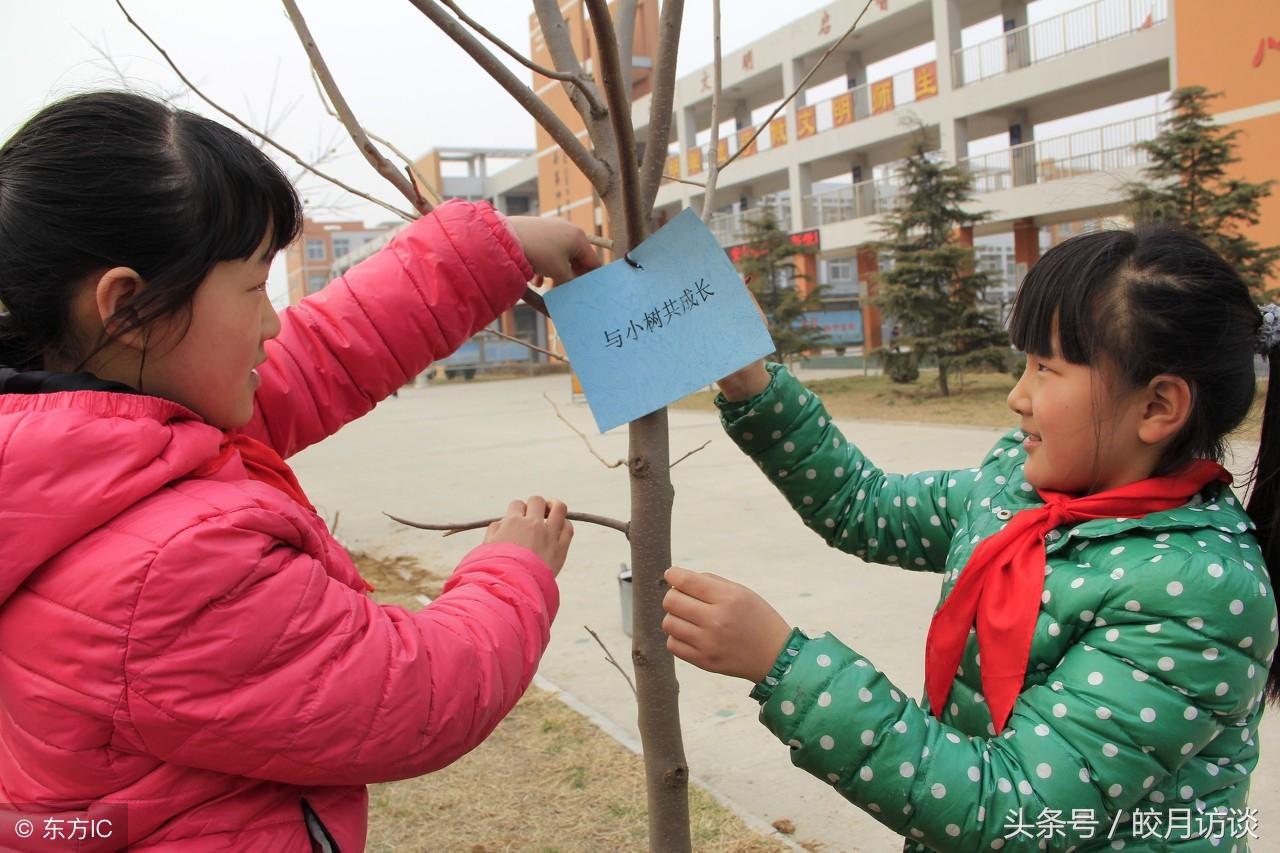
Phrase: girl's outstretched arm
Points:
(246, 657)
(342, 350)
(905, 520)
(1126, 718)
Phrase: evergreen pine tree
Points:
(1187, 184)
(768, 258)
(934, 288)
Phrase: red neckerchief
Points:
(999, 589)
(261, 463)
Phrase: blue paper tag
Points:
(640, 338)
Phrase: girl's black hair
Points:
(1159, 301)
(109, 179)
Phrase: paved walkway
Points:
(459, 452)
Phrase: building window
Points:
(341, 245)
(316, 280)
(840, 269)
(315, 250)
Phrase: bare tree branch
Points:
(602, 520)
(365, 145)
(410, 166)
(579, 80)
(674, 179)
(660, 101)
(525, 344)
(608, 655)
(594, 114)
(695, 450)
(555, 30)
(625, 23)
(713, 171)
(799, 86)
(408, 217)
(602, 242)
(617, 92)
(596, 170)
(583, 436)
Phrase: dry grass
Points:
(976, 400)
(546, 780)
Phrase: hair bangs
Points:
(242, 196)
(1061, 309)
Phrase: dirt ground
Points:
(546, 780)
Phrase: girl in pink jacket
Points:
(188, 659)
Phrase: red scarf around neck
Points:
(261, 462)
(999, 589)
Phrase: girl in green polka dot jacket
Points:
(1098, 664)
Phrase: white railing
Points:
(1102, 149)
(730, 229)
(866, 198)
(1071, 31)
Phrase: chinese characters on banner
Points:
(882, 96)
(743, 136)
(695, 161)
(842, 109)
(806, 122)
(722, 151)
(673, 166)
(926, 80)
(808, 239)
(1264, 44)
(778, 132)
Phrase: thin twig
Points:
(579, 80)
(617, 93)
(596, 170)
(583, 436)
(602, 242)
(611, 659)
(664, 88)
(690, 453)
(347, 116)
(409, 164)
(408, 217)
(533, 347)
(799, 87)
(713, 171)
(604, 521)
(667, 177)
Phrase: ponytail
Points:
(1264, 502)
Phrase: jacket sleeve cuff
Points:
(796, 640)
(506, 237)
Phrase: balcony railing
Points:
(730, 229)
(866, 198)
(1102, 149)
(1057, 36)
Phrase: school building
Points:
(1042, 101)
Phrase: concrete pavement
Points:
(460, 452)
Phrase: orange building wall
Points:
(1227, 46)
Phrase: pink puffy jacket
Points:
(199, 650)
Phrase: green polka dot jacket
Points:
(1137, 725)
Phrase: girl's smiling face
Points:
(1081, 436)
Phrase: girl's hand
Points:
(745, 383)
(539, 525)
(721, 626)
(555, 248)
